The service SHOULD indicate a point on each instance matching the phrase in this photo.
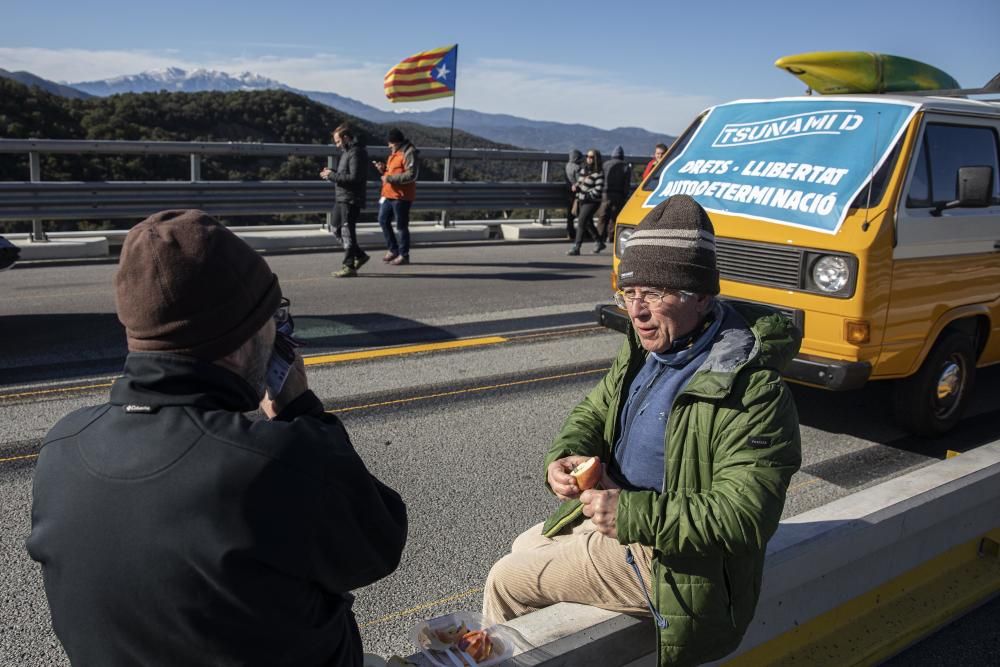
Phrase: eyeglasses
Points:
(591, 157)
(625, 297)
(283, 316)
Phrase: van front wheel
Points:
(930, 402)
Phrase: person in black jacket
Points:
(174, 530)
(350, 179)
(617, 187)
(573, 166)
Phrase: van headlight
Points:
(832, 274)
(624, 233)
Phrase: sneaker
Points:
(599, 247)
(345, 272)
(573, 251)
(360, 261)
(402, 259)
(389, 256)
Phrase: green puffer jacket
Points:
(731, 448)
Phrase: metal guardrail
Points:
(38, 200)
(73, 201)
(79, 146)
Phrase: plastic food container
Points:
(502, 638)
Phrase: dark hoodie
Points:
(617, 176)
(573, 166)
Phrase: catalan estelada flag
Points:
(425, 76)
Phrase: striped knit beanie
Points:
(673, 248)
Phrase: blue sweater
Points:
(642, 434)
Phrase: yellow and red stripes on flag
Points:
(424, 76)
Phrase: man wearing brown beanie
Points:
(696, 437)
(174, 530)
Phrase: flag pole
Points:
(451, 134)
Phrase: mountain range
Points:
(29, 79)
(503, 128)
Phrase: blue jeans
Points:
(398, 209)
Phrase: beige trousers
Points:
(581, 565)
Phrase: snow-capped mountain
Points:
(176, 79)
(504, 128)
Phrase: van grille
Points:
(759, 263)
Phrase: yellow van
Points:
(873, 222)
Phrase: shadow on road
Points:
(37, 348)
(537, 266)
(866, 414)
(519, 276)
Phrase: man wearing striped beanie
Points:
(696, 436)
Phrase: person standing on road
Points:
(658, 152)
(350, 180)
(572, 171)
(399, 189)
(588, 188)
(617, 187)
(173, 529)
(698, 437)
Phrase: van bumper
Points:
(832, 374)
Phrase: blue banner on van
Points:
(793, 162)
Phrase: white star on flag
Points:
(442, 71)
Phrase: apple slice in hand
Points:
(588, 473)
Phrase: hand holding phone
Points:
(285, 362)
(295, 384)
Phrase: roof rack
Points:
(992, 87)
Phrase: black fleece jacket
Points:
(173, 530)
(351, 177)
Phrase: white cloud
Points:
(66, 65)
(540, 91)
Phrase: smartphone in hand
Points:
(282, 357)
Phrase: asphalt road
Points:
(460, 433)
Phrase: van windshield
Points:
(800, 162)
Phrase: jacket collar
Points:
(749, 335)
(152, 380)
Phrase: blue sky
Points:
(609, 64)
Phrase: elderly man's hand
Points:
(295, 385)
(602, 508)
(560, 481)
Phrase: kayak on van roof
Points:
(833, 72)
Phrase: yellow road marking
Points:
(412, 610)
(59, 390)
(802, 485)
(557, 333)
(18, 458)
(470, 390)
(402, 349)
(315, 360)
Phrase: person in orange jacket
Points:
(399, 189)
(658, 152)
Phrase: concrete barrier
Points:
(84, 245)
(66, 248)
(849, 583)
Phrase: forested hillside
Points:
(272, 116)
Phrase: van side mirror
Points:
(975, 189)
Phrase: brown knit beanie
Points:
(186, 284)
(674, 248)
